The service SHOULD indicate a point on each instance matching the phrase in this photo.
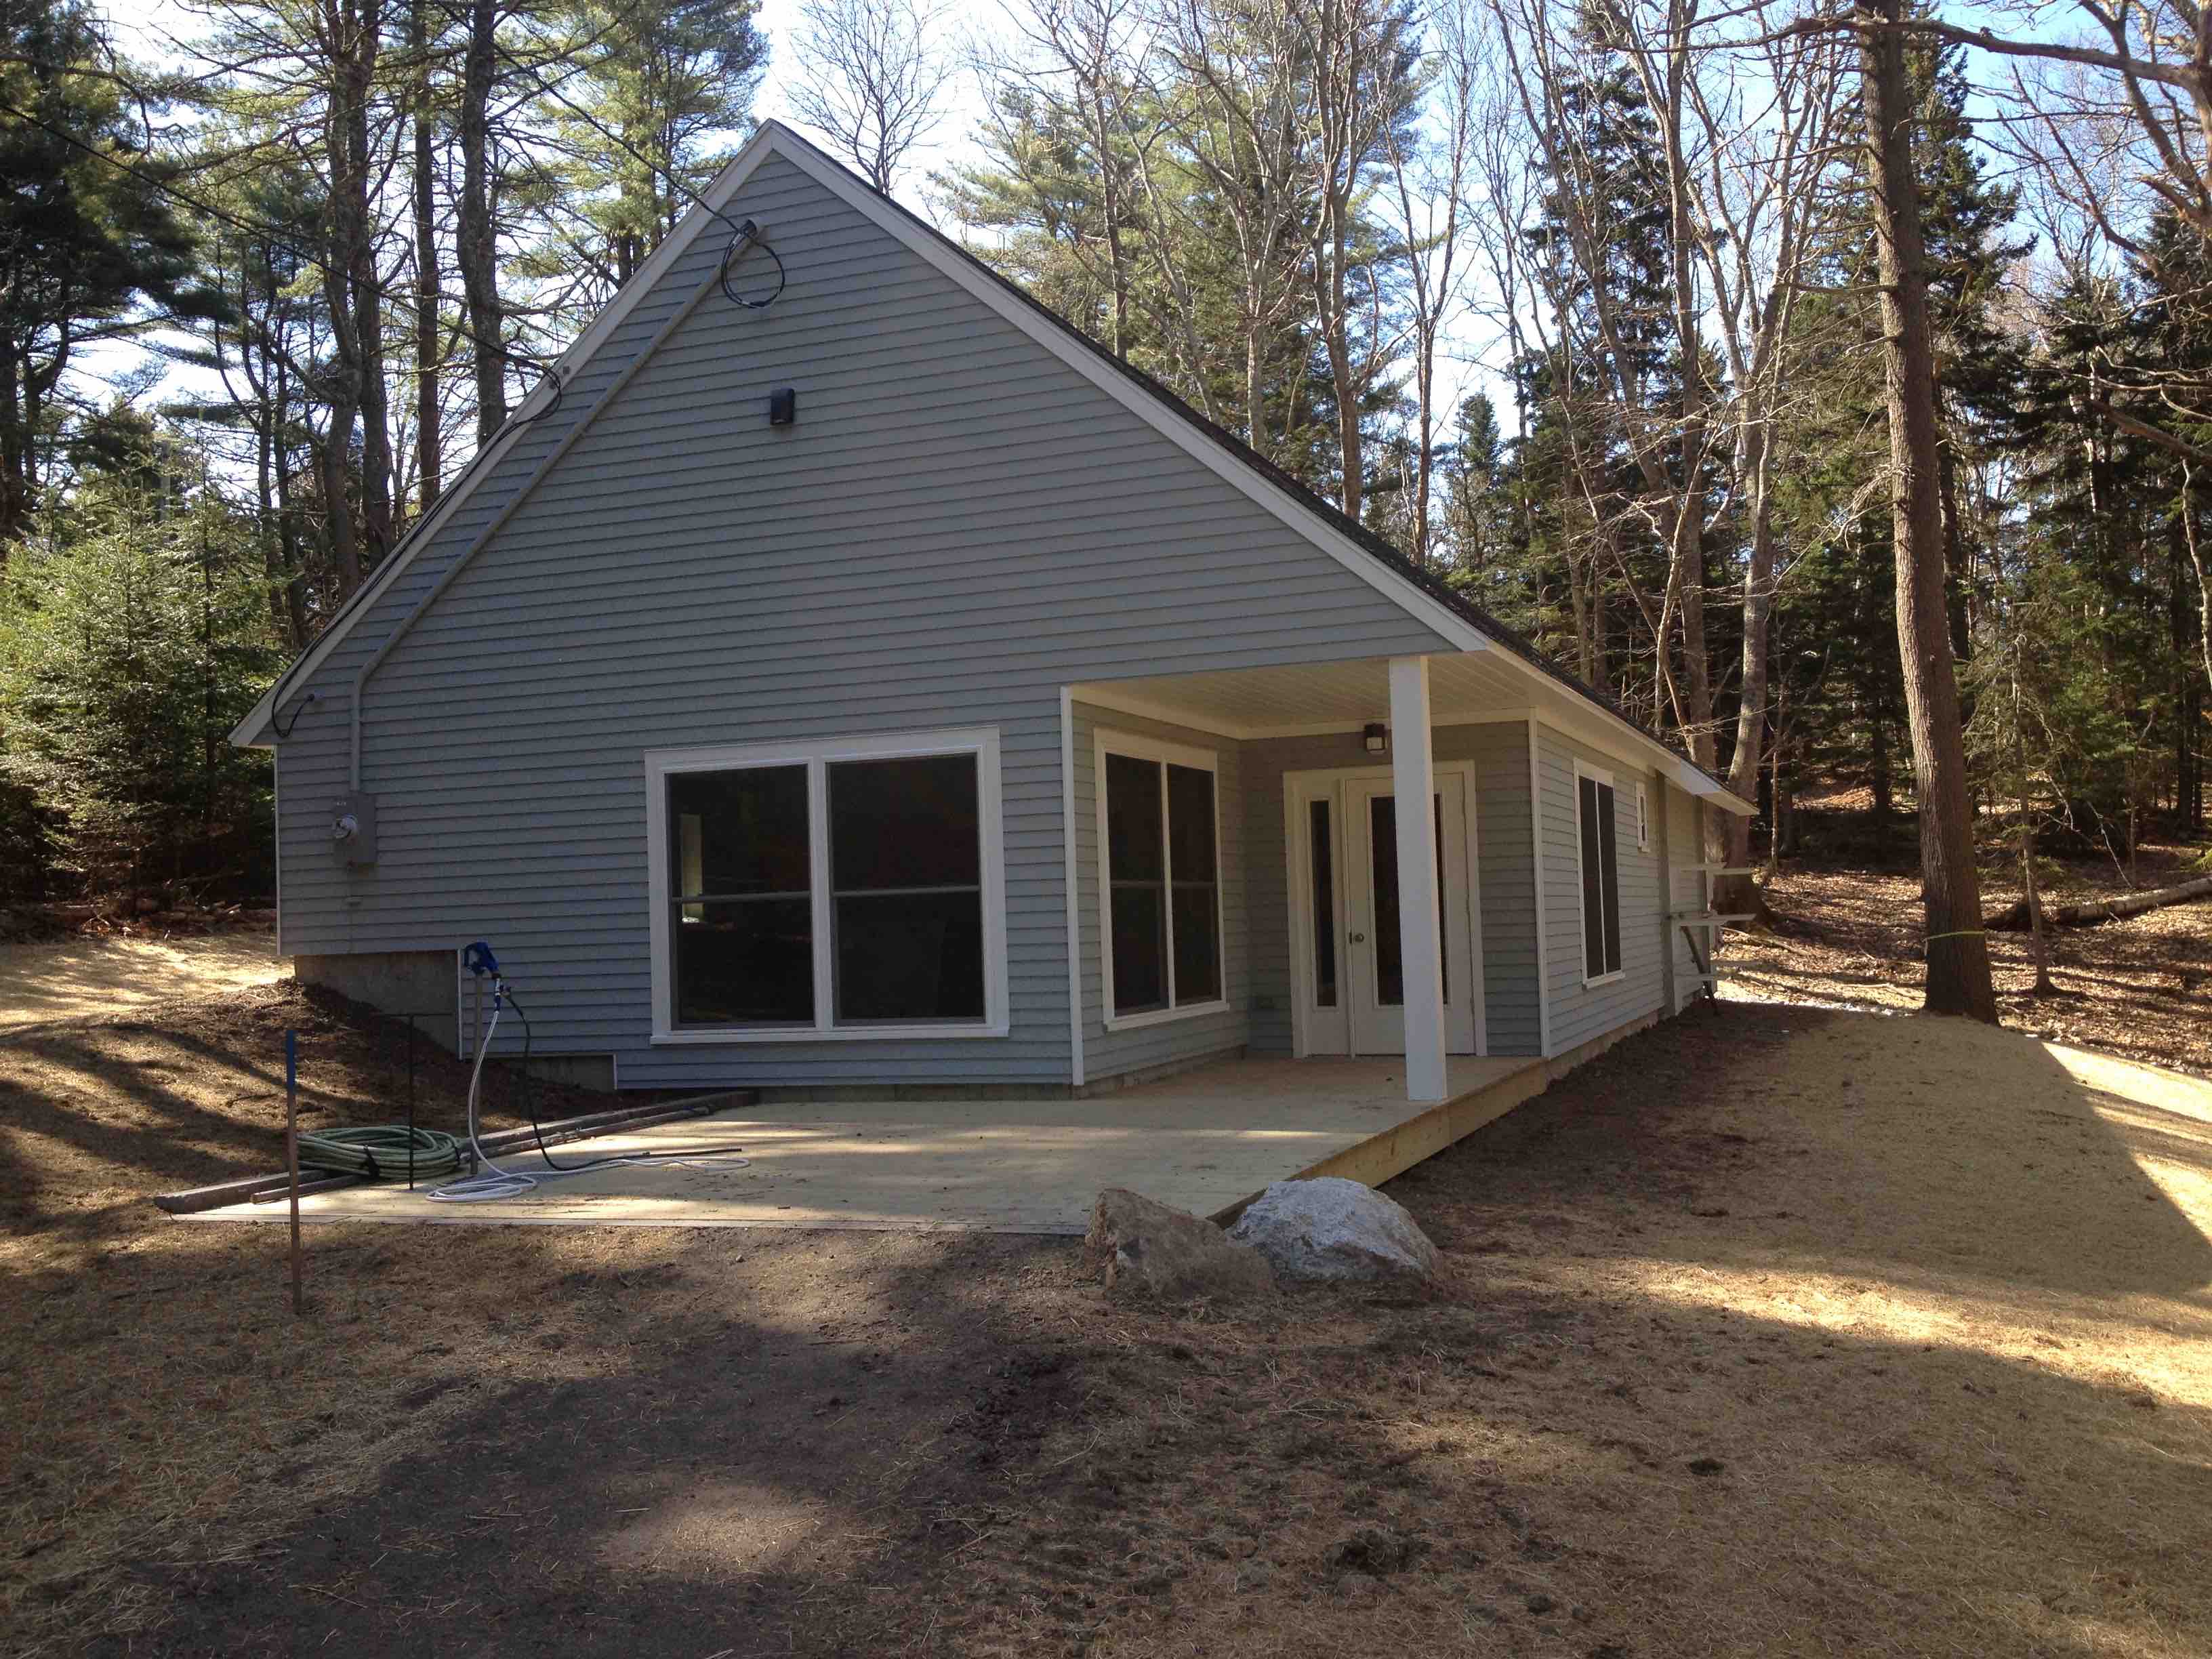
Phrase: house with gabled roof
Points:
(841, 673)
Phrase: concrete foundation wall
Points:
(418, 982)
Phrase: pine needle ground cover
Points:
(2140, 989)
(1774, 1331)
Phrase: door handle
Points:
(1359, 938)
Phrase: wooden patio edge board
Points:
(1393, 1151)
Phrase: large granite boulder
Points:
(1148, 1250)
(1333, 1230)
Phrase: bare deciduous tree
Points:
(1762, 211)
(872, 77)
(1432, 181)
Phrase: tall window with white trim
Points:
(905, 878)
(744, 904)
(1601, 870)
(1160, 840)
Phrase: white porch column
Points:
(1420, 942)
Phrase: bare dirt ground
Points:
(85, 976)
(2141, 987)
(1774, 1331)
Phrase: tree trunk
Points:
(288, 521)
(1956, 577)
(1424, 416)
(1109, 200)
(1958, 955)
(2195, 806)
(428, 440)
(1780, 823)
(15, 450)
(1740, 895)
(1884, 785)
(2089, 913)
(2039, 949)
(353, 213)
(475, 242)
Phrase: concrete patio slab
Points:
(1202, 1141)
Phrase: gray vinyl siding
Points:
(1506, 876)
(958, 525)
(1504, 841)
(1110, 1054)
(1581, 1013)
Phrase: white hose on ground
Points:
(491, 1181)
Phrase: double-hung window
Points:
(1160, 902)
(844, 890)
(1601, 873)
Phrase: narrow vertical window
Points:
(1163, 882)
(1136, 868)
(1194, 920)
(1600, 873)
(1389, 925)
(743, 915)
(906, 888)
(1322, 855)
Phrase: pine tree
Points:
(91, 248)
(654, 101)
(131, 639)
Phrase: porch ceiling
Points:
(1258, 702)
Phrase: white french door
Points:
(1348, 968)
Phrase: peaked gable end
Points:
(897, 365)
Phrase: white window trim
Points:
(1597, 774)
(1133, 747)
(1643, 817)
(981, 742)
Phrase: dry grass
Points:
(156, 1401)
(1811, 1334)
(84, 975)
(1774, 1331)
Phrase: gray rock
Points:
(1330, 1229)
(1148, 1250)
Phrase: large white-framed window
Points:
(1598, 855)
(843, 889)
(1159, 880)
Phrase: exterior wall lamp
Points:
(1377, 736)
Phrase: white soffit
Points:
(1309, 699)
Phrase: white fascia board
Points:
(252, 731)
(1612, 735)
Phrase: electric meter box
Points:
(353, 828)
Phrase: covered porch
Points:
(1364, 930)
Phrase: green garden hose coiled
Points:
(382, 1152)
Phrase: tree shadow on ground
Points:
(1724, 1360)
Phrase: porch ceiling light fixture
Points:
(1377, 736)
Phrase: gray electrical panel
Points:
(353, 828)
